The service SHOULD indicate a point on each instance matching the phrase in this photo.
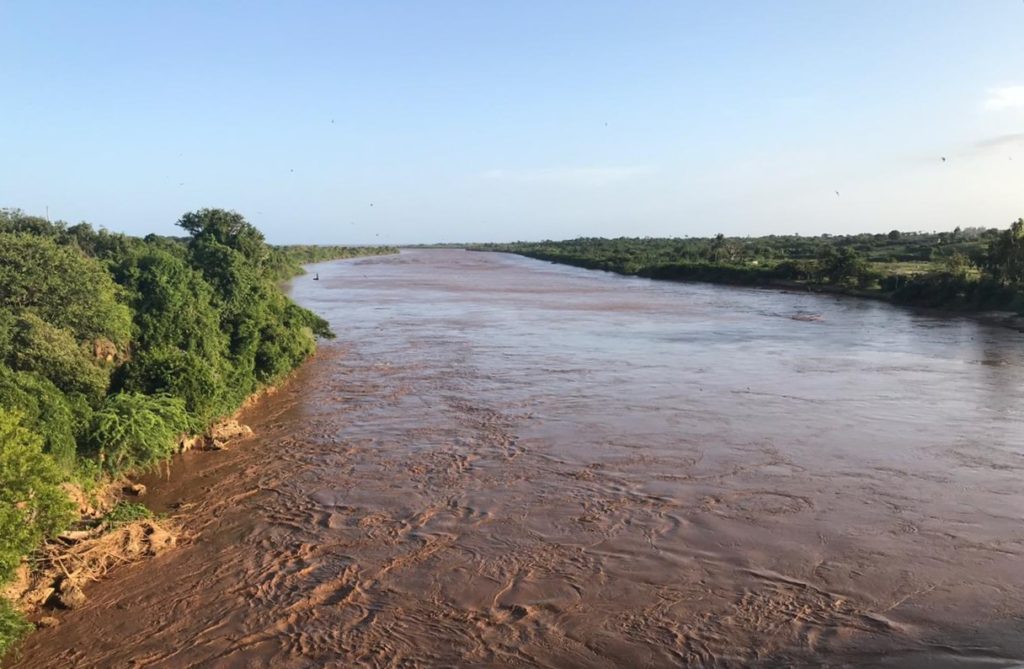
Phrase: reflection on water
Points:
(503, 462)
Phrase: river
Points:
(506, 463)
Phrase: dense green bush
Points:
(47, 412)
(61, 286)
(1005, 259)
(171, 303)
(226, 228)
(13, 626)
(32, 503)
(200, 382)
(133, 431)
(37, 346)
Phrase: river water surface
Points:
(502, 462)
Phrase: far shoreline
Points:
(999, 318)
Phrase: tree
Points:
(185, 329)
(843, 266)
(724, 249)
(228, 228)
(1006, 255)
(958, 265)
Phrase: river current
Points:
(506, 463)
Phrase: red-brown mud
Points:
(505, 463)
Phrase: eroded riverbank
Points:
(505, 463)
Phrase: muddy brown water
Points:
(506, 463)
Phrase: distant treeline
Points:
(974, 268)
(287, 261)
(112, 346)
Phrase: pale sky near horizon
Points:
(498, 121)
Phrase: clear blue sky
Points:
(483, 120)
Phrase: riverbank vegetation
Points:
(972, 269)
(112, 347)
(287, 261)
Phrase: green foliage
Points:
(15, 220)
(286, 262)
(267, 334)
(13, 626)
(172, 305)
(958, 265)
(198, 381)
(234, 280)
(181, 348)
(36, 346)
(133, 431)
(282, 346)
(1006, 255)
(226, 228)
(32, 503)
(102, 244)
(842, 266)
(969, 268)
(61, 286)
(87, 475)
(210, 323)
(55, 417)
(127, 512)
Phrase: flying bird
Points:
(837, 193)
(943, 158)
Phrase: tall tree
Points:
(1006, 255)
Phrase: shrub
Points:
(197, 381)
(132, 430)
(172, 304)
(45, 411)
(32, 504)
(53, 353)
(126, 512)
(62, 286)
(13, 626)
